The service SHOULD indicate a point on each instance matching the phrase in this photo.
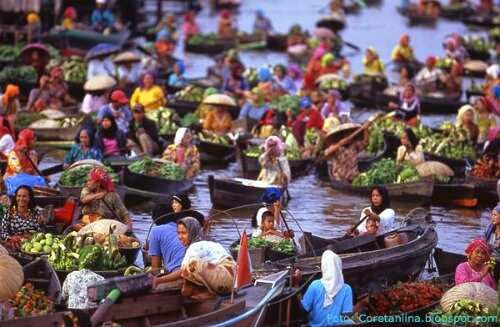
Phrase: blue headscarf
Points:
(271, 195)
(264, 74)
(181, 65)
(496, 91)
(305, 102)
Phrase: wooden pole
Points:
(159, 10)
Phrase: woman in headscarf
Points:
(207, 268)
(234, 82)
(226, 28)
(23, 158)
(485, 119)
(372, 63)
(262, 24)
(379, 209)
(218, 121)
(84, 148)
(9, 104)
(328, 299)
(492, 234)
(466, 119)
(109, 139)
(190, 27)
(410, 150)
(295, 73)
(283, 81)
(6, 140)
(99, 198)
(184, 153)
(403, 52)
(408, 108)
(428, 77)
(176, 78)
(149, 94)
(476, 268)
(275, 169)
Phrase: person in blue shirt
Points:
(177, 78)
(118, 108)
(262, 24)
(255, 107)
(84, 148)
(102, 18)
(283, 81)
(328, 300)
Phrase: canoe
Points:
(153, 188)
(333, 22)
(236, 192)
(366, 260)
(56, 134)
(415, 18)
(277, 42)
(85, 40)
(455, 12)
(447, 262)
(436, 103)
(221, 45)
(486, 188)
(216, 153)
(457, 165)
(477, 55)
(481, 20)
(455, 193)
(364, 89)
(168, 308)
(227, 4)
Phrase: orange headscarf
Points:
(100, 176)
(26, 136)
(11, 91)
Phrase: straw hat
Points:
(220, 100)
(99, 83)
(340, 132)
(126, 56)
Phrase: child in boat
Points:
(372, 226)
(268, 230)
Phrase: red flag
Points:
(243, 266)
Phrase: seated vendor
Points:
(380, 209)
(476, 268)
(466, 119)
(142, 137)
(492, 234)
(218, 120)
(23, 158)
(84, 148)
(21, 219)
(102, 18)
(184, 153)
(268, 230)
(409, 150)
(408, 107)
(372, 63)
(403, 52)
(98, 197)
(275, 169)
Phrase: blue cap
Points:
(264, 74)
(305, 102)
(181, 65)
(496, 91)
(271, 195)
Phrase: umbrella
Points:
(99, 83)
(29, 48)
(323, 32)
(102, 49)
(220, 100)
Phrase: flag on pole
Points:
(243, 265)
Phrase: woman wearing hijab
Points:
(329, 298)
(84, 148)
(408, 107)
(98, 197)
(372, 63)
(184, 153)
(380, 210)
(190, 27)
(275, 169)
(295, 73)
(466, 119)
(109, 139)
(23, 158)
(262, 24)
(476, 269)
(149, 94)
(283, 81)
(492, 234)
(9, 104)
(410, 150)
(6, 140)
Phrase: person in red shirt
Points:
(309, 117)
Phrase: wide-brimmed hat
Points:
(339, 132)
(102, 49)
(126, 56)
(220, 100)
(99, 83)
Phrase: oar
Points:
(52, 170)
(357, 225)
(35, 167)
(352, 45)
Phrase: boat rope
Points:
(301, 230)
(226, 212)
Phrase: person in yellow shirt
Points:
(69, 20)
(149, 95)
(403, 52)
(372, 63)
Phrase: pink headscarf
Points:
(478, 243)
(100, 176)
(318, 53)
(493, 132)
(271, 140)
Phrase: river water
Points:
(316, 206)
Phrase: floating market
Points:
(249, 163)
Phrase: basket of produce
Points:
(72, 180)
(477, 47)
(329, 82)
(215, 145)
(167, 121)
(28, 302)
(56, 129)
(262, 250)
(386, 172)
(39, 244)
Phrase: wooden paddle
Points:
(356, 226)
(346, 140)
(52, 170)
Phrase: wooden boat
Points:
(486, 188)
(168, 308)
(277, 42)
(431, 103)
(153, 188)
(455, 12)
(447, 262)
(231, 193)
(227, 4)
(415, 18)
(333, 22)
(221, 45)
(365, 259)
(475, 54)
(182, 108)
(56, 134)
(260, 255)
(85, 40)
(216, 153)
(481, 20)
(457, 165)
(456, 193)
(364, 89)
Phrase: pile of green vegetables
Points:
(166, 120)
(10, 52)
(465, 309)
(76, 252)
(285, 245)
(215, 138)
(77, 176)
(256, 151)
(386, 172)
(477, 44)
(189, 120)
(40, 243)
(444, 63)
(287, 102)
(190, 93)
(24, 119)
(164, 169)
(495, 33)
(21, 73)
(209, 38)
(334, 84)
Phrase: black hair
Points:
(386, 201)
(411, 137)
(90, 131)
(31, 203)
(111, 132)
(267, 214)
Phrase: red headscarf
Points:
(26, 136)
(70, 13)
(225, 14)
(478, 243)
(100, 176)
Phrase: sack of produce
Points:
(53, 114)
(45, 123)
(3, 251)
(103, 226)
(434, 168)
(11, 277)
(476, 291)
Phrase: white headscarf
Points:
(332, 279)
(493, 71)
(179, 135)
